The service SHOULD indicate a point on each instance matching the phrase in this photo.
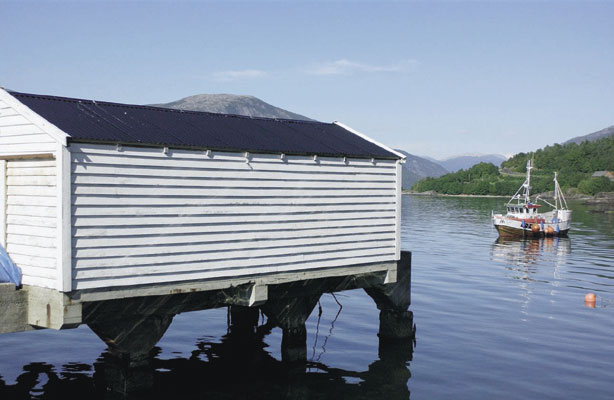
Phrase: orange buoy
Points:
(535, 228)
(590, 299)
(549, 230)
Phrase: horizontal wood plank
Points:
(14, 120)
(47, 222)
(253, 191)
(29, 163)
(137, 242)
(31, 231)
(206, 201)
(157, 152)
(215, 182)
(39, 138)
(34, 171)
(227, 209)
(27, 149)
(18, 130)
(46, 191)
(29, 250)
(38, 281)
(203, 173)
(191, 247)
(170, 162)
(43, 201)
(31, 271)
(234, 227)
(43, 262)
(177, 268)
(93, 283)
(31, 240)
(205, 220)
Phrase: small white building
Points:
(97, 195)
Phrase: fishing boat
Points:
(524, 218)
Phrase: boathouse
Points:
(97, 196)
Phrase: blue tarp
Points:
(9, 272)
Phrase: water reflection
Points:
(529, 251)
(237, 366)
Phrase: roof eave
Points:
(401, 156)
(220, 149)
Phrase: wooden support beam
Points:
(48, 308)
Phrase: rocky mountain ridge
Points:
(231, 104)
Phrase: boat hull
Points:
(510, 231)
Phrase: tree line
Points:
(575, 164)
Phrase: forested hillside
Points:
(575, 164)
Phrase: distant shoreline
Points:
(436, 194)
(599, 198)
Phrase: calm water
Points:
(494, 319)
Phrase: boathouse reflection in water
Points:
(238, 366)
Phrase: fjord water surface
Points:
(495, 319)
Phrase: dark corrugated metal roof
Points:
(98, 121)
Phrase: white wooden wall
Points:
(19, 136)
(29, 192)
(142, 216)
(31, 235)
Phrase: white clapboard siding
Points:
(140, 215)
(208, 201)
(138, 243)
(204, 273)
(130, 230)
(19, 136)
(172, 259)
(255, 263)
(192, 210)
(186, 247)
(99, 221)
(31, 219)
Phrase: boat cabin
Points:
(530, 210)
(97, 195)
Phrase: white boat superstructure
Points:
(523, 217)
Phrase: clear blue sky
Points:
(434, 79)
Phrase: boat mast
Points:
(526, 186)
(527, 183)
(556, 192)
(558, 195)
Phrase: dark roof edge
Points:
(228, 150)
(161, 109)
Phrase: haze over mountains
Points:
(609, 131)
(467, 161)
(416, 168)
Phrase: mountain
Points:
(456, 163)
(609, 131)
(231, 104)
(416, 168)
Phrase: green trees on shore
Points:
(573, 158)
(575, 164)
